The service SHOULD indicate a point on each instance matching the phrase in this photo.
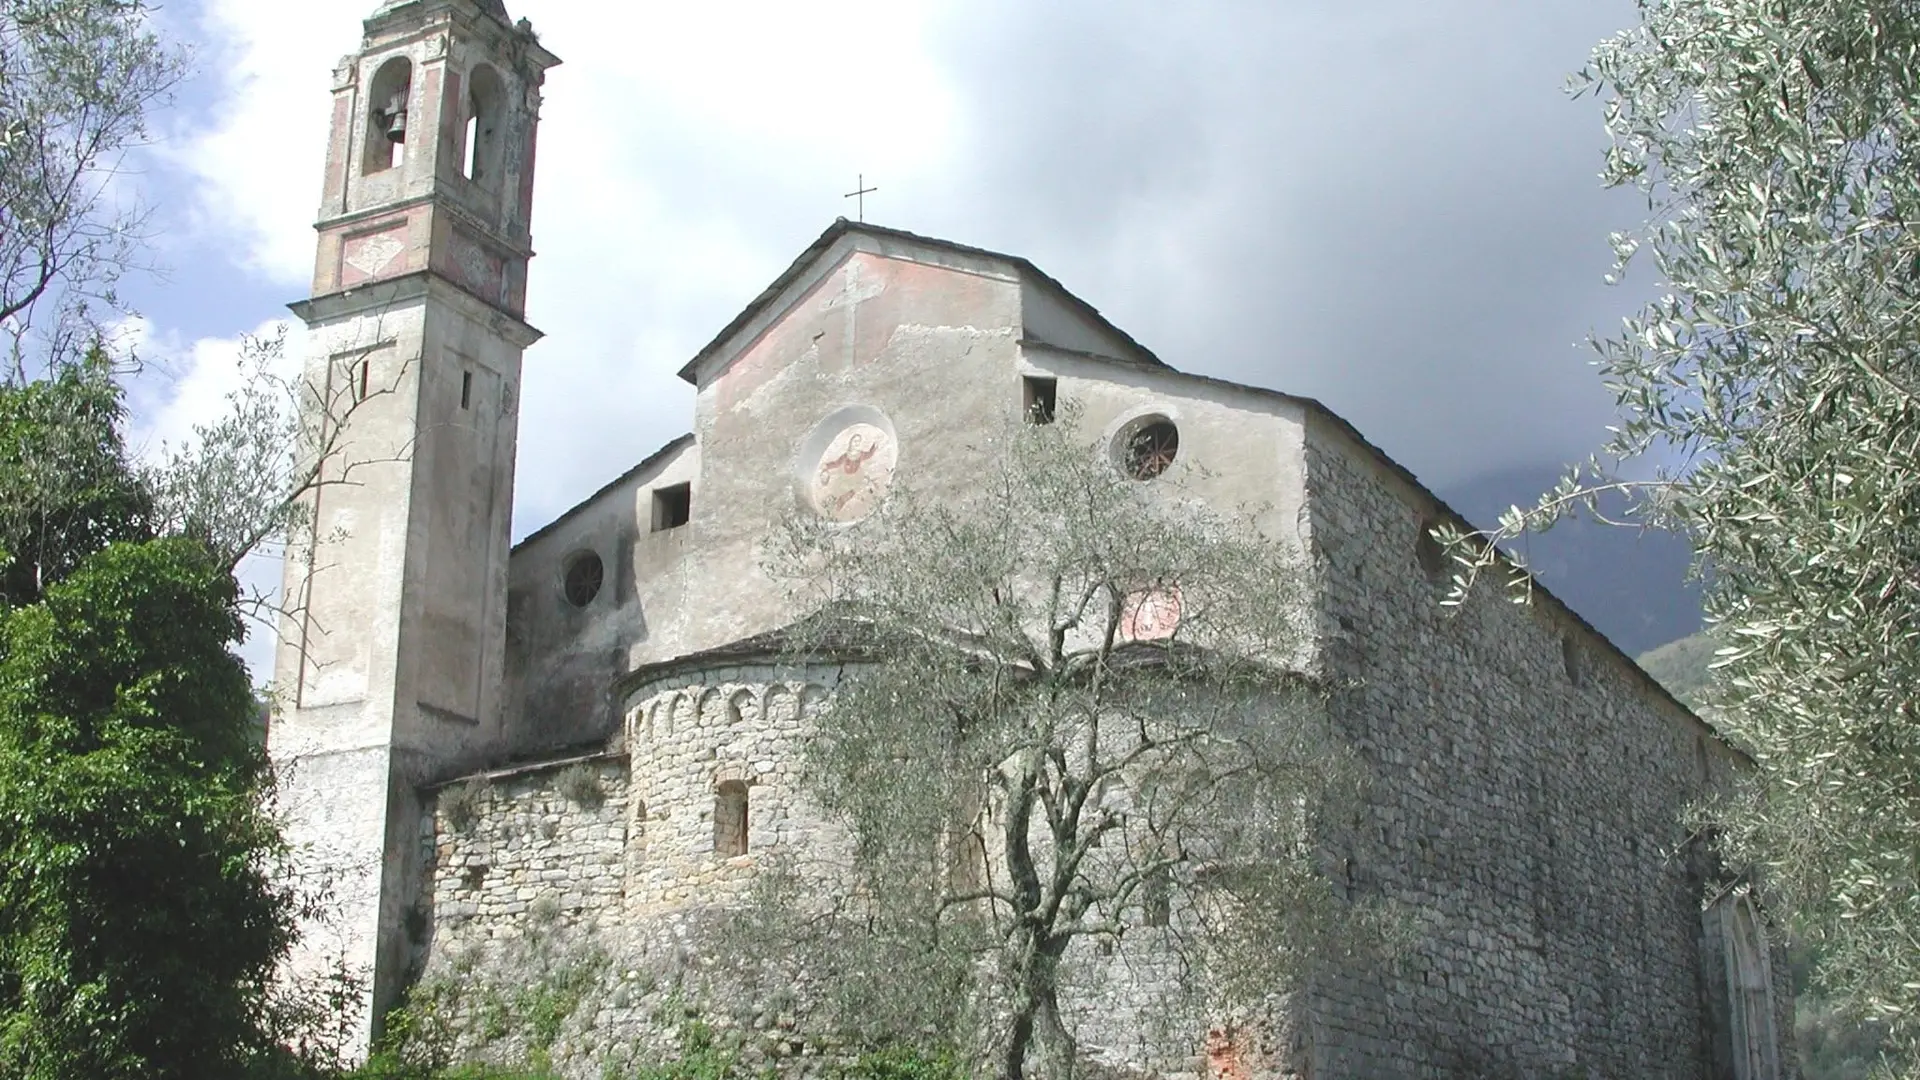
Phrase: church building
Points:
(587, 733)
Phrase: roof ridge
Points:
(843, 227)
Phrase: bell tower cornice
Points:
(401, 18)
(454, 211)
(431, 163)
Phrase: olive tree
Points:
(1770, 404)
(1080, 718)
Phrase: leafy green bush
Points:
(580, 784)
(139, 916)
(901, 1061)
(387, 1066)
(701, 1058)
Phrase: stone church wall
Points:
(1528, 788)
(580, 914)
(563, 656)
(575, 904)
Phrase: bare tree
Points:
(1081, 719)
(77, 78)
(241, 482)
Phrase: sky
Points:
(1389, 205)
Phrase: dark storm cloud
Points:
(1386, 204)
(1389, 206)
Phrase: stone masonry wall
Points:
(1528, 786)
(1525, 814)
(686, 738)
(574, 903)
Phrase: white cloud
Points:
(258, 163)
(803, 87)
(687, 151)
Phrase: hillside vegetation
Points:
(1682, 667)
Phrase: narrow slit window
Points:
(730, 819)
(1428, 552)
(364, 383)
(1571, 660)
(466, 389)
(1157, 897)
(672, 507)
(1040, 396)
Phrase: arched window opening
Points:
(1748, 1026)
(730, 818)
(481, 156)
(387, 99)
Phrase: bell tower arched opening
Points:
(482, 159)
(387, 101)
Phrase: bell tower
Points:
(388, 674)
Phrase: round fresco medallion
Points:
(853, 471)
(1151, 614)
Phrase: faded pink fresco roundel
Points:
(1151, 614)
(853, 472)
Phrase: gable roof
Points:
(646, 463)
(841, 227)
(1143, 359)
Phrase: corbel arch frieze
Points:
(703, 702)
(746, 706)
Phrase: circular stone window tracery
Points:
(582, 580)
(1146, 448)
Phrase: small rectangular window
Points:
(1040, 395)
(1157, 896)
(730, 819)
(672, 507)
(466, 389)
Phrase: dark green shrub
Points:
(580, 785)
(901, 1061)
(460, 804)
(701, 1058)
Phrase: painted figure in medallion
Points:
(854, 473)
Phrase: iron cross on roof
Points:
(859, 192)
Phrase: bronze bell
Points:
(396, 112)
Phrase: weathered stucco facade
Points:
(555, 768)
